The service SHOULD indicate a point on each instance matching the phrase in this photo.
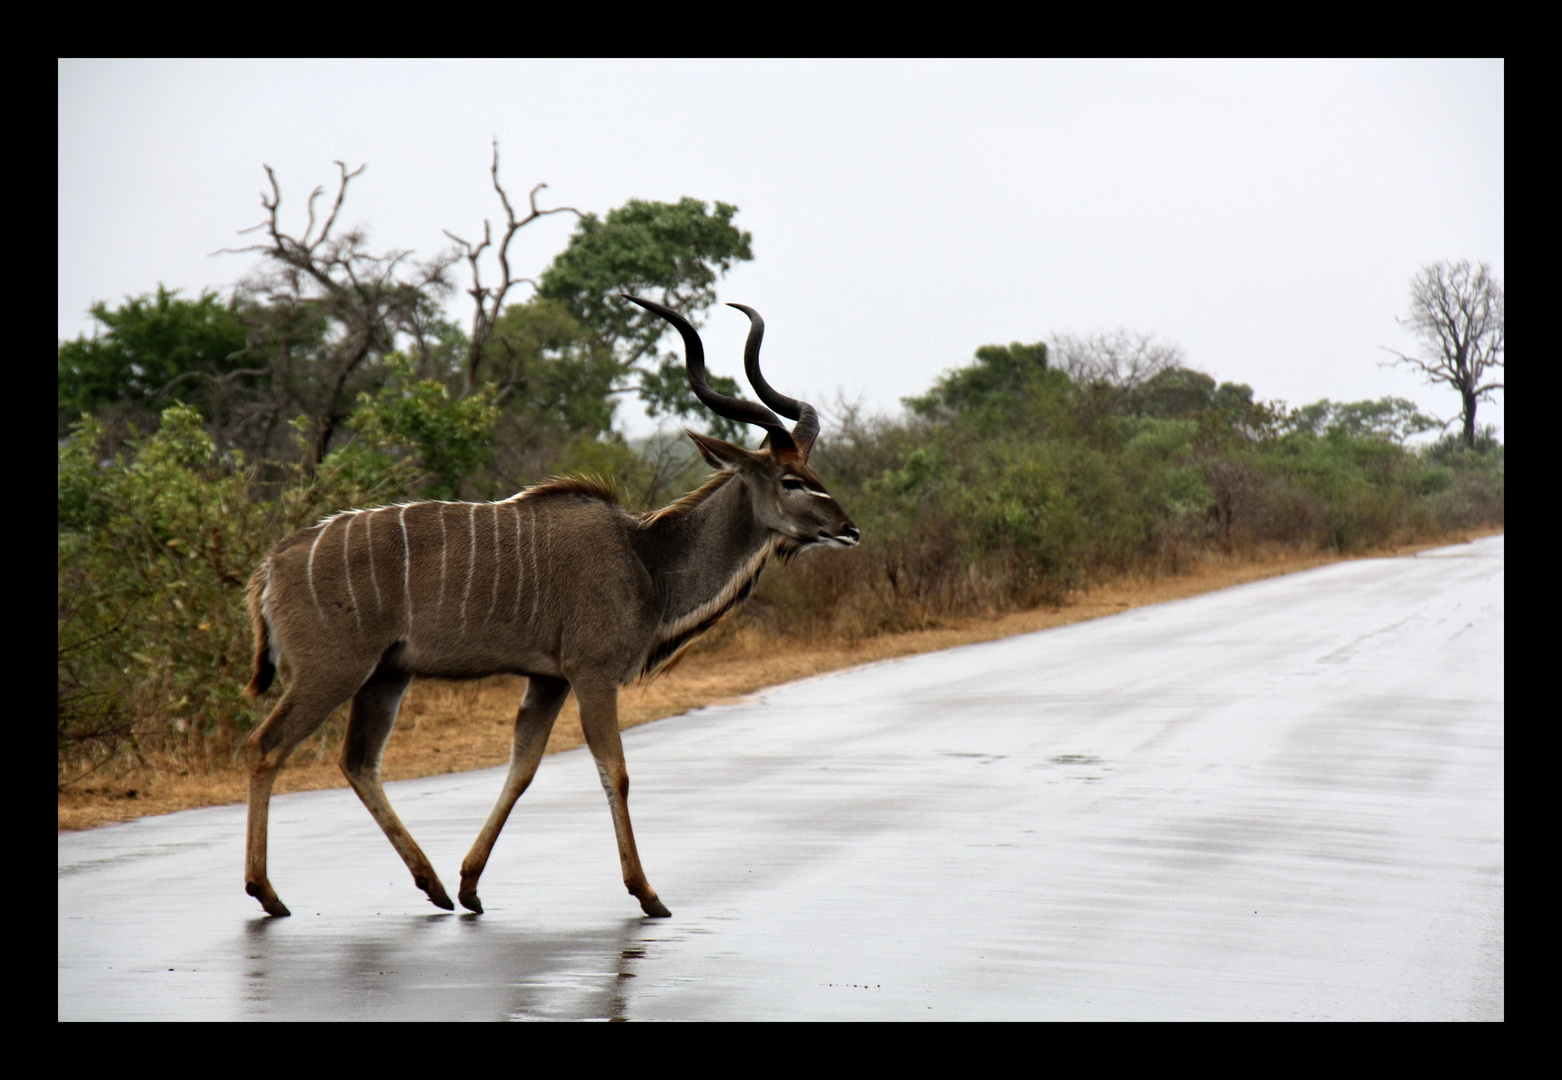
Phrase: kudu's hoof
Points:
(655, 909)
(472, 903)
(436, 892)
(268, 900)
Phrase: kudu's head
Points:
(787, 496)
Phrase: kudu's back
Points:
(527, 586)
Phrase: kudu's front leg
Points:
(599, 720)
(539, 709)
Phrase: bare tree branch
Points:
(227, 378)
(489, 303)
(1121, 359)
(331, 303)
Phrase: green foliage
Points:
(673, 250)
(1002, 373)
(154, 550)
(1159, 440)
(1012, 485)
(1390, 418)
(449, 439)
(147, 343)
(1173, 394)
(548, 373)
(666, 392)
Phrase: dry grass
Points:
(451, 727)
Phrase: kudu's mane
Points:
(589, 487)
(593, 488)
(679, 507)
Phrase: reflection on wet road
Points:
(1282, 800)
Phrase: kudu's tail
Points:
(265, 670)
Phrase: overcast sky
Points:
(1265, 216)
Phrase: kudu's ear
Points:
(720, 454)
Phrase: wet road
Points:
(1284, 800)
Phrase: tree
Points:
(1118, 359)
(546, 370)
(154, 350)
(326, 311)
(1175, 393)
(1457, 312)
(312, 329)
(1390, 419)
(451, 439)
(489, 302)
(1000, 371)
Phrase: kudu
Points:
(558, 584)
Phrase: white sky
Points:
(1266, 216)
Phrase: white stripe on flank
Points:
(309, 569)
(406, 569)
(347, 568)
(368, 542)
(494, 562)
(471, 555)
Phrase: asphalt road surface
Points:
(1283, 800)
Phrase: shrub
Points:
(155, 547)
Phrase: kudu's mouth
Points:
(850, 538)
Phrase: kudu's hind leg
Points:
(369, 725)
(539, 709)
(599, 720)
(303, 708)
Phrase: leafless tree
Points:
(1121, 359)
(325, 309)
(1457, 312)
(489, 302)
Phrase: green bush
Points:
(1011, 486)
(412, 417)
(155, 548)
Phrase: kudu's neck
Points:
(703, 557)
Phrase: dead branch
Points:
(489, 303)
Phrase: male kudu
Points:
(558, 583)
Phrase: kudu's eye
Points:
(792, 483)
